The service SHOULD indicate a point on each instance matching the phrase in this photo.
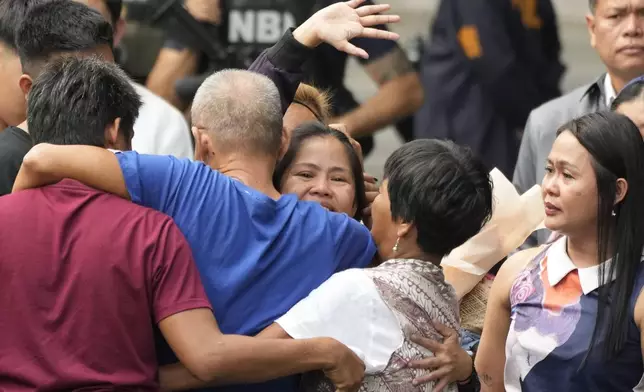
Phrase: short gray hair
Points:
(241, 110)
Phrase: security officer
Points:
(254, 25)
(180, 57)
(487, 65)
(249, 26)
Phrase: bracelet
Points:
(470, 384)
(467, 381)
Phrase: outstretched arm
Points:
(336, 25)
(341, 22)
(96, 167)
(215, 358)
(177, 377)
(163, 183)
(337, 306)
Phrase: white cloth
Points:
(161, 129)
(609, 90)
(349, 309)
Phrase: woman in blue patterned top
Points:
(571, 318)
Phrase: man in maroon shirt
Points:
(85, 275)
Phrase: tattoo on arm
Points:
(486, 379)
(389, 66)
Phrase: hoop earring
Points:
(396, 246)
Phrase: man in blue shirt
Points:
(258, 252)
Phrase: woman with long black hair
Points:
(572, 318)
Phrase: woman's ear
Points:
(621, 190)
(403, 229)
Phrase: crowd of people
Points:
(250, 250)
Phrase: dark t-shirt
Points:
(14, 145)
(84, 277)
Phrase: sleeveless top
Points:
(417, 294)
(553, 313)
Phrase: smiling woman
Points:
(321, 165)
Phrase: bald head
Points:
(241, 112)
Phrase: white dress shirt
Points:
(609, 90)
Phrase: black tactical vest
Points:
(254, 25)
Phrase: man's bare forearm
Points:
(93, 166)
(246, 364)
(171, 66)
(176, 377)
(240, 359)
(245, 359)
(395, 99)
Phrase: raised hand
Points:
(339, 23)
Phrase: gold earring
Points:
(396, 246)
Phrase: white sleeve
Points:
(349, 309)
(176, 138)
(160, 129)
